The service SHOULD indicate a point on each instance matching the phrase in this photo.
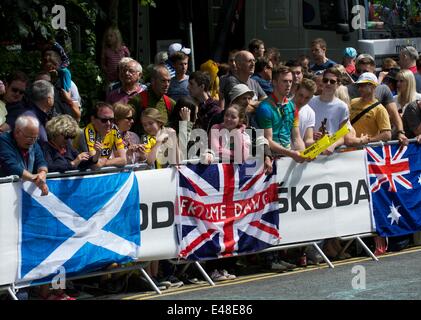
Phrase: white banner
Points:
(157, 190)
(323, 199)
(10, 202)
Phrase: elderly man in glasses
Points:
(101, 135)
(21, 155)
(329, 110)
(130, 73)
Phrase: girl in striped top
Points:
(113, 50)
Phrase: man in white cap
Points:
(371, 123)
(368, 116)
(366, 63)
(180, 82)
(172, 49)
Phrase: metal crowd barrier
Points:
(13, 288)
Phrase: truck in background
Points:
(379, 27)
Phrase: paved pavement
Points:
(395, 277)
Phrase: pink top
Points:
(111, 60)
(119, 95)
(234, 145)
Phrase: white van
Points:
(368, 26)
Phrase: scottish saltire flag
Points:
(83, 224)
(226, 210)
(395, 184)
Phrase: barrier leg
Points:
(372, 255)
(146, 275)
(203, 272)
(186, 266)
(323, 255)
(12, 293)
(346, 246)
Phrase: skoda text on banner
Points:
(83, 224)
(395, 184)
(224, 212)
(325, 198)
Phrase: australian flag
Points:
(226, 210)
(395, 183)
(83, 224)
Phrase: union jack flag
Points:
(394, 174)
(225, 211)
(388, 168)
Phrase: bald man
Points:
(245, 64)
(21, 155)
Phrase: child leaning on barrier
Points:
(160, 142)
(229, 140)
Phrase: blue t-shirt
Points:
(280, 116)
(65, 78)
(320, 67)
(178, 88)
(265, 84)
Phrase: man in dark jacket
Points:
(21, 155)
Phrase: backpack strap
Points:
(362, 113)
(145, 100)
(167, 102)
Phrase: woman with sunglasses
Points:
(406, 87)
(124, 119)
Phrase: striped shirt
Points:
(111, 60)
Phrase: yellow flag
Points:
(325, 142)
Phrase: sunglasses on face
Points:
(129, 118)
(330, 81)
(105, 120)
(16, 90)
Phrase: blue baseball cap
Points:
(350, 52)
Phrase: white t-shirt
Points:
(74, 94)
(335, 111)
(307, 119)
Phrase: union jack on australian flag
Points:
(225, 211)
(395, 182)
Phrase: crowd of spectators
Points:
(294, 102)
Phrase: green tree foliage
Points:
(27, 24)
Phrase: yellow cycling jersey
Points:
(148, 147)
(112, 141)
